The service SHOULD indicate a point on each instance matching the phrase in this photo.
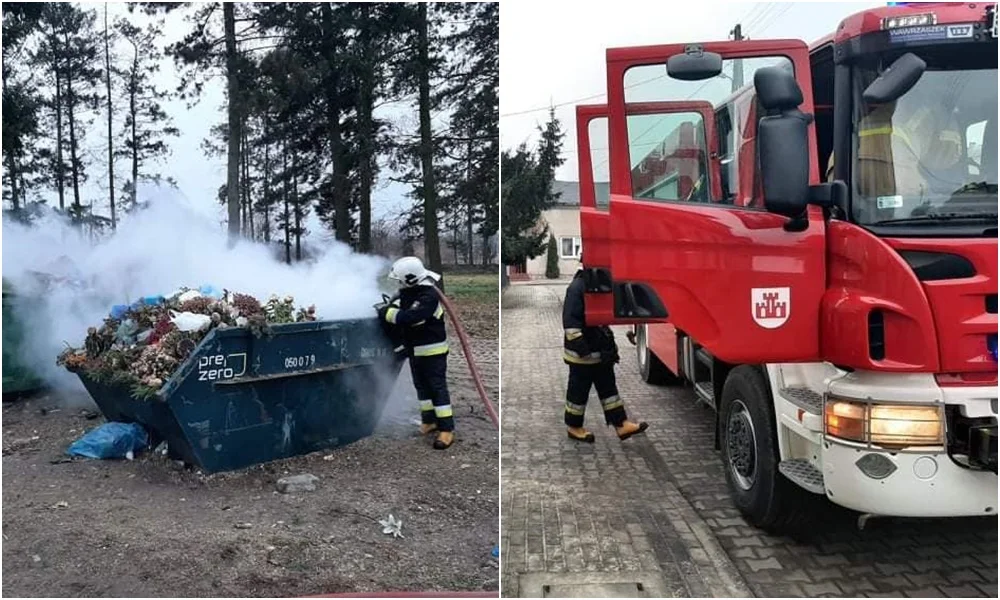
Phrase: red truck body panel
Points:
(702, 258)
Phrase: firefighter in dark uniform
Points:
(418, 317)
(591, 353)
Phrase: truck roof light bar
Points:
(921, 20)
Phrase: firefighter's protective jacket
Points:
(420, 317)
(584, 345)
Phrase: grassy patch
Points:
(480, 288)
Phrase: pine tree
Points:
(473, 138)
(146, 125)
(210, 48)
(552, 259)
(22, 101)
(69, 49)
(526, 191)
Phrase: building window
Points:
(569, 247)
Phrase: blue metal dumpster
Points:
(239, 400)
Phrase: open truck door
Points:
(595, 224)
(691, 233)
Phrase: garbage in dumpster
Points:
(142, 344)
(189, 321)
(111, 440)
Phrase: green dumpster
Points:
(239, 400)
(17, 377)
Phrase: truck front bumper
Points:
(958, 479)
(919, 485)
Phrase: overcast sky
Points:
(553, 56)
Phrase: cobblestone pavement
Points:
(654, 510)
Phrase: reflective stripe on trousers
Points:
(431, 349)
(593, 358)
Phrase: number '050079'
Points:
(298, 362)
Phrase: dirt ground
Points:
(148, 528)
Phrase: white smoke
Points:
(154, 252)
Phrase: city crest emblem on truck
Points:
(770, 307)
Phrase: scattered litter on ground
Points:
(90, 415)
(243, 525)
(61, 504)
(297, 483)
(18, 444)
(393, 526)
(111, 440)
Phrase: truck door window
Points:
(651, 137)
(599, 160)
(669, 155)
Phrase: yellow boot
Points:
(426, 428)
(580, 434)
(628, 428)
(444, 440)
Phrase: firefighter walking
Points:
(418, 319)
(591, 353)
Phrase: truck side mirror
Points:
(896, 80)
(782, 142)
(694, 65)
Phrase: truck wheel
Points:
(652, 370)
(750, 457)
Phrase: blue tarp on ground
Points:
(110, 440)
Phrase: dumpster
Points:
(17, 377)
(240, 400)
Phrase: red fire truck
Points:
(808, 236)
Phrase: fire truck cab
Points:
(808, 236)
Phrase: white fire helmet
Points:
(409, 271)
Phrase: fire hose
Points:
(467, 349)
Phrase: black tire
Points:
(765, 497)
(651, 369)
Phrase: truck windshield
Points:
(931, 155)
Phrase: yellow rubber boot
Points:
(630, 428)
(444, 440)
(426, 428)
(580, 434)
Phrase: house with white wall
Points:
(563, 221)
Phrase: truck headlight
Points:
(845, 420)
(887, 425)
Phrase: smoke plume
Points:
(154, 252)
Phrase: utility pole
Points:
(737, 33)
